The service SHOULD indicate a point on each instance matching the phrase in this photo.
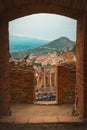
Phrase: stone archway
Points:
(37, 6)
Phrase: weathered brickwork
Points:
(81, 75)
(66, 83)
(75, 9)
(15, 9)
(4, 69)
(21, 82)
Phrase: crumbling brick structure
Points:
(22, 79)
(66, 83)
(76, 9)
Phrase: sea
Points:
(18, 44)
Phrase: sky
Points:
(44, 26)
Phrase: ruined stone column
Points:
(4, 69)
(57, 92)
(50, 80)
(81, 66)
(55, 79)
(44, 78)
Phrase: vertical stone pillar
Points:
(44, 78)
(50, 80)
(57, 95)
(81, 67)
(4, 69)
(55, 79)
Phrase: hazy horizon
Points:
(43, 26)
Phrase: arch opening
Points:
(60, 53)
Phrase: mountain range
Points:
(59, 44)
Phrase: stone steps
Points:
(44, 126)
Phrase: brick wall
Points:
(4, 69)
(66, 84)
(81, 75)
(21, 82)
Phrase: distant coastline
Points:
(18, 44)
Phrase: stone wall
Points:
(21, 82)
(66, 83)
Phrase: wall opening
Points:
(45, 67)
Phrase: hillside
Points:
(60, 43)
(56, 45)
